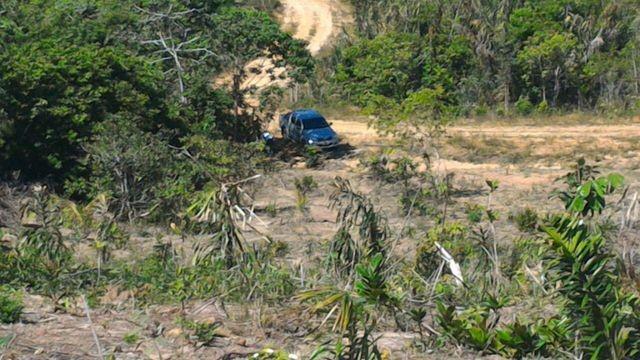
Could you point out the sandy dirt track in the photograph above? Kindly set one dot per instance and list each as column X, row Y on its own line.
column 312, row 20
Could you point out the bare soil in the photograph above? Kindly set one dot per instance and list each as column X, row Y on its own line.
column 525, row 159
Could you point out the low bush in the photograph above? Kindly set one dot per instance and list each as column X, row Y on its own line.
column 527, row 219
column 524, row 106
column 475, row 212
column 304, row 186
column 10, row 305
column 144, row 175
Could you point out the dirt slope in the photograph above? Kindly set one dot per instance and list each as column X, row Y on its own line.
column 313, row 21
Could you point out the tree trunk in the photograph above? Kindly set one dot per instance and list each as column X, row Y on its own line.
column 507, row 90
column 635, row 72
column 556, row 86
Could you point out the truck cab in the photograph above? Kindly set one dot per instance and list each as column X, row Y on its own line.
column 308, row 127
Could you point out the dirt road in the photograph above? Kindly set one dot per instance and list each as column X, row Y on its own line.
column 313, row 21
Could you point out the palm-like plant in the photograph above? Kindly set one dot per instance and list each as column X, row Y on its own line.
column 355, row 309
column 43, row 235
column 355, row 211
column 218, row 212
column 604, row 314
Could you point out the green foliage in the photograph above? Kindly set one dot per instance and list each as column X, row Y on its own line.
column 304, row 186
column 589, row 197
column 44, row 236
column 145, row 176
column 10, row 305
column 475, row 212
column 602, row 312
column 391, row 170
column 477, row 327
column 527, row 219
column 127, row 164
column 542, row 56
column 131, row 338
column 214, row 212
column 67, row 68
column 355, row 212
column 51, row 110
column 313, row 157
column 161, row 278
column 524, row 106
column 203, row 333
column 355, row 311
column 386, row 66
column 452, row 236
column 417, row 201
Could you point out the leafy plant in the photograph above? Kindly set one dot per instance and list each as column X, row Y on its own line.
column 204, row 333
column 355, row 311
column 10, row 305
column 524, row 106
column 355, row 211
column 475, row 212
column 44, row 234
column 313, row 157
column 526, row 220
column 217, row 212
column 603, row 313
column 452, row 236
column 131, row 338
column 303, row 187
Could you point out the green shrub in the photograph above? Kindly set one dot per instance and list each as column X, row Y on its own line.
column 527, row 219
column 313, row 157
column 10, row 305
column 131, row 338
column 452, row 236
column 383, row 66
column 142, row 173
column 475, row 327
column 524, row 106
column 204, row 333
column 56, row 95
column 475, row 212
column 304, row 186
column 543, row 107
column 481, row 110
column 418, row 201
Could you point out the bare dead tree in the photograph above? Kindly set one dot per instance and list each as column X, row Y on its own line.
column 174, row 42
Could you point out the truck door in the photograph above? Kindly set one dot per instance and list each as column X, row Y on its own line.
column 295, row 131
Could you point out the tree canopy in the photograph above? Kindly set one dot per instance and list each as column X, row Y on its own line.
column 556, row 55
column 66, row 67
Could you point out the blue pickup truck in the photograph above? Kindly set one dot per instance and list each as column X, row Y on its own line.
column 308, row 127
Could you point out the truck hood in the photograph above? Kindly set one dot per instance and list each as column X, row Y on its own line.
column 321, row 134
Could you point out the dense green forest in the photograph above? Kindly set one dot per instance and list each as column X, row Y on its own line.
column 74, row 69
column 508, row 56
column 80, row 81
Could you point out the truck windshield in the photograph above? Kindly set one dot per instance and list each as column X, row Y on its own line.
column 315, row 123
